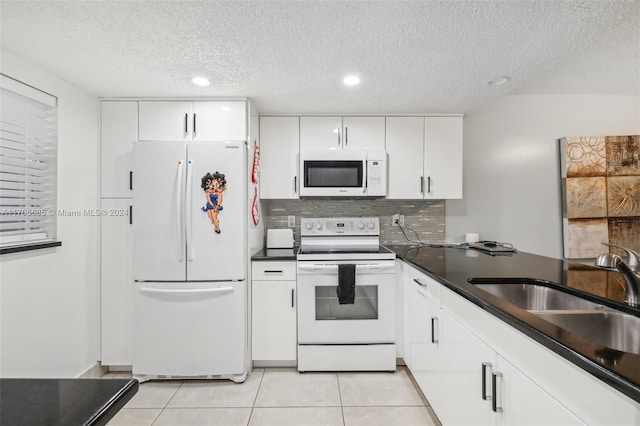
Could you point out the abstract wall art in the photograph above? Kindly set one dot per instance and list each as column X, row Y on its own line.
column 600, row 193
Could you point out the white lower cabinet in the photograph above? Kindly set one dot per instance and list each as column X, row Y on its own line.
column 519, row 401
column 273, row 313
column 456, row 369
column 116, row 283
column 445, row 360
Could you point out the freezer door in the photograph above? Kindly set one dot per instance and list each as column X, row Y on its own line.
column 216, row 211
column 159, row 173
column 189, row 329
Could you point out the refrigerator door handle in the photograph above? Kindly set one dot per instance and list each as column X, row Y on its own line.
column 188, row 211
column 179, row 213
column 186, row 292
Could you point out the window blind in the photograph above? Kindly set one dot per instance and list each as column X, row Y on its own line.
column 28, row 166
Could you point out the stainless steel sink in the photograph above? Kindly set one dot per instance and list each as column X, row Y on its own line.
column 592, row 321
column 533, row 297
column 612, row 329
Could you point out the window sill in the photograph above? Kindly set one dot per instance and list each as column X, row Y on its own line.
column 29, row 247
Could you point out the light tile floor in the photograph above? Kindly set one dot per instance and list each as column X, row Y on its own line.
column 280, row 397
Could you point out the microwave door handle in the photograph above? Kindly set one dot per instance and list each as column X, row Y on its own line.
column 365, row 177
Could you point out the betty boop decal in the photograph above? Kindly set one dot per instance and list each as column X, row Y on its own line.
column 213, row 186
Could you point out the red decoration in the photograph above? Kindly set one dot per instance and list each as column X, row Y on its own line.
column 255, row 171
column 255, row 213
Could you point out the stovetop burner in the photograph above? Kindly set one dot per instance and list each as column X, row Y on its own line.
column 379, row 250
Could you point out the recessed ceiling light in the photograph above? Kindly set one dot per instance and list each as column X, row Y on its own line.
column 497, row 81
column 200, row 81
column 351, row 80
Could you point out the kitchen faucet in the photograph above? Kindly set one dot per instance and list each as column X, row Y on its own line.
column 628, row 270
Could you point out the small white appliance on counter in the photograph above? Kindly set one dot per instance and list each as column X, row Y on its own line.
column 280, row 238
column 335, row 173
column 190, row 260
column 346, row 296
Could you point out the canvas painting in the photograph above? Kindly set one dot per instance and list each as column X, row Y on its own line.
column 601, row 194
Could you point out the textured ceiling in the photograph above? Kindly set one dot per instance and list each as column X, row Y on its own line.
column 290, row 56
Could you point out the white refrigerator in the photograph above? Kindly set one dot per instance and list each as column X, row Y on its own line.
column 190, row 221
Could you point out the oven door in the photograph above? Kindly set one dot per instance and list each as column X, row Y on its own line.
column 323, row 320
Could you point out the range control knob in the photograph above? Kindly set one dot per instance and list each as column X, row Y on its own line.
column 308, row 225
column 361, row 225
column 370, row 224
column 319, row 225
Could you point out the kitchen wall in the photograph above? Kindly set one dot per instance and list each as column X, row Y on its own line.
column 49, row 299
column 511, row 185
column 426, row 218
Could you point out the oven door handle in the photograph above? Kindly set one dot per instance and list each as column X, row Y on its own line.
column 376, row 267
column 360, row 268
column 318, row 268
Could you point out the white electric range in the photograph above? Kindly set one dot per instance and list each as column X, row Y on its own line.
column 337, row 332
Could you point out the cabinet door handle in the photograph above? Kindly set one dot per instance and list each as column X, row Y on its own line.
column 195, row 117
column 186, row 124
column 130, row 180
column 422, row 184
column 295, row 184
column 434, row 320
column 494, row 391
column 292, row 298
column 485, row 365
column 130, row 215
column 420, row 283
column 339, row 130
column 429, row 185
column 346, row 136
column 273, row 271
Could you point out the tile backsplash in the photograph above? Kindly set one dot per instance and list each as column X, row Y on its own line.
column 424, row 218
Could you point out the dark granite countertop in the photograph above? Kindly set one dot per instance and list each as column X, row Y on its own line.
column 67, row 402
column 266, row 254
column 453, row 267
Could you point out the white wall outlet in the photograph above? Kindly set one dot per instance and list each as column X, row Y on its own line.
column 291, row 221
column 395, row 219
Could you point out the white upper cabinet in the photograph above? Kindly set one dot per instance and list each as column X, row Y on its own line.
column 185, row 120
column 162, row 121
column 405, row 153
column 279, row 145
column 442, row 158
column 366, row 133
column 363, row 133
column 119, row 128
column 320, row 133
column 220, row 121
column 425, row 157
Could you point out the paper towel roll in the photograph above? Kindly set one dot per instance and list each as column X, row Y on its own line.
column 471, row 237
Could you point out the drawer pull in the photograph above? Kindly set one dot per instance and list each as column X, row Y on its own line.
column 419, row 282
column 273, row 271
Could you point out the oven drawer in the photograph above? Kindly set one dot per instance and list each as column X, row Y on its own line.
column 273, row 271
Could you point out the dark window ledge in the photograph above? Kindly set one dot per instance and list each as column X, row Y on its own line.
column 29, row 247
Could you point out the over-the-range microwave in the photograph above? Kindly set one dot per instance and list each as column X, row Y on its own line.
column 335, row 173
